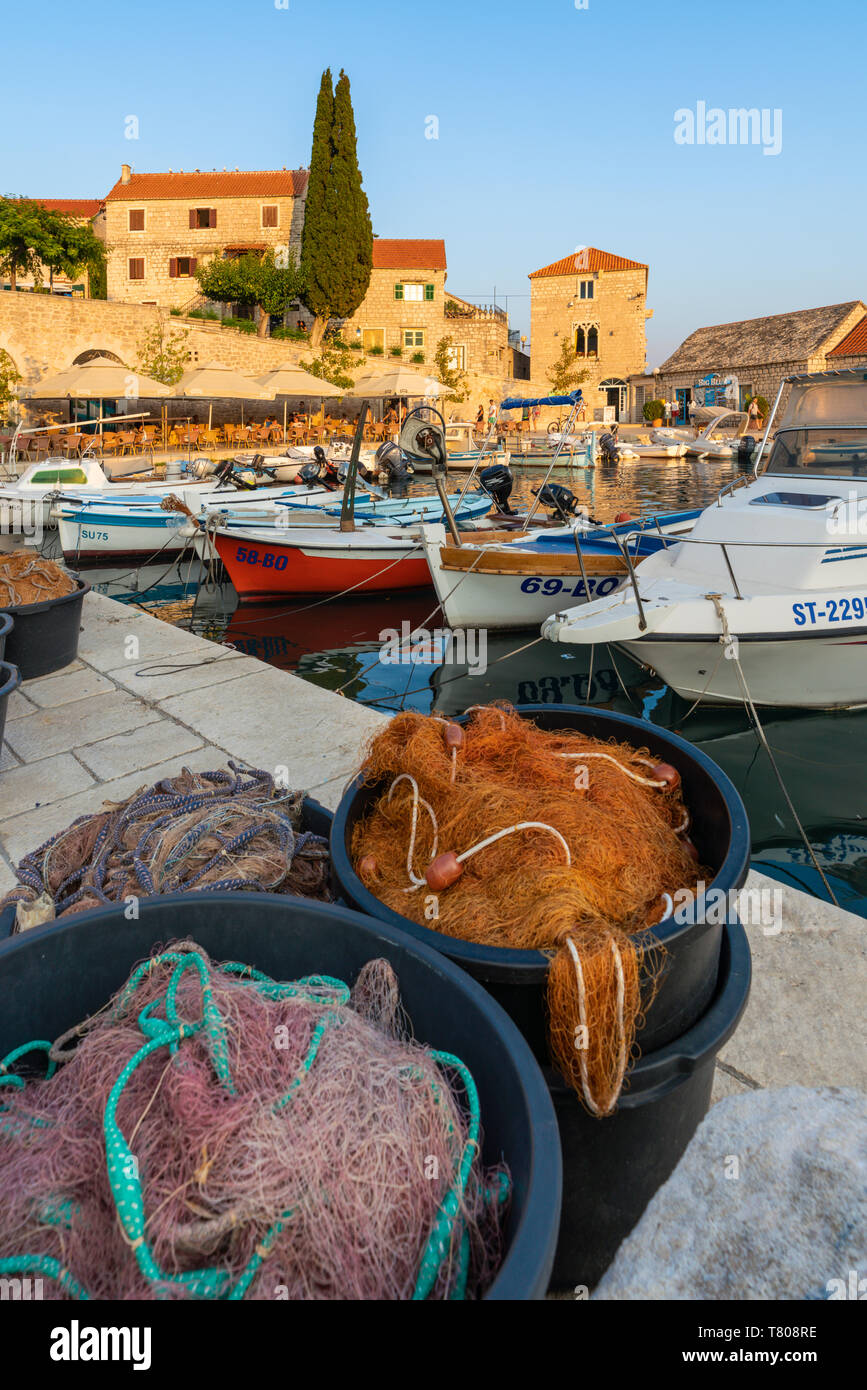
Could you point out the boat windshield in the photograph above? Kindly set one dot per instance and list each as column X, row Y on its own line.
column 838, row 452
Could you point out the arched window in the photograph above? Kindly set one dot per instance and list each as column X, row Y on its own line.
column 95, row 352
column 580, row 342
column 593, row 342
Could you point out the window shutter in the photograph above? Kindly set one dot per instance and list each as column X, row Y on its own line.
column 192, row 217
column 428, row 291
column 193, row 263
column 173, row 266
column 398, row 291
column 212, row 217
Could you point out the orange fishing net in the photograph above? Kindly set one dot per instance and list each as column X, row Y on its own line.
column 505, row 834
column 28, row 578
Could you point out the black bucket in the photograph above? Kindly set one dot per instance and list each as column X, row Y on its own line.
column 613, row 1167
column 7, row 622
column 517, row 979
column 54, row 976
column 10, row 679
column 45, row 636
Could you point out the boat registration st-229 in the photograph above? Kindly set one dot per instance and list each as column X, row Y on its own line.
column 833, row 610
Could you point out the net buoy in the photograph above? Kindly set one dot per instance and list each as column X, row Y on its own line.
column 443, row 871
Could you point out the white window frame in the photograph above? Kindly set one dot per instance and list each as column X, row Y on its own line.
column 413, row 347
column 583, row 288
column 413, row 285
column 457, row 357
column 262, row 207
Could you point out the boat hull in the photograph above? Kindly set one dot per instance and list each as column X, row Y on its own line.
column 267, row 571
column 817, row 672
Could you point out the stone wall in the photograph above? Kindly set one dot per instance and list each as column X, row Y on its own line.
column 618, row 307
column 167, row 234
column 45, row 334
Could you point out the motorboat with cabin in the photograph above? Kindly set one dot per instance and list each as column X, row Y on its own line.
column 766, row 599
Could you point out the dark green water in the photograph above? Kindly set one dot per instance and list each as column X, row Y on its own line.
column 822, row 756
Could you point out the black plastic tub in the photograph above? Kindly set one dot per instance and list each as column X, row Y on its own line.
column 45, row 635
column 10, row 679
column 614, row 1166
column 314, row 816
column 54, row 976
column 517, row 978
column 6, row 625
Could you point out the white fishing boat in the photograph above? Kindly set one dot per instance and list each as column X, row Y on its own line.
column 498, row 579
column 766, row 599
column 103, row 529
column 27, row 503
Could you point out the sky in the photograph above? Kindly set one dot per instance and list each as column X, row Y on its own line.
column 554, row 125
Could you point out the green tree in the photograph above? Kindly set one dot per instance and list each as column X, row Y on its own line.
column 71, row 247
column 23, row 238
column 450, row 376
column 9, row 379
column 269, row 282
column 564, row 375
column 337, row 240
column 163, row 352
column 334, row 364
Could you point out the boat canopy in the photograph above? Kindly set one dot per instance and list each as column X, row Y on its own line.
column 518, row 402
column 825, row 399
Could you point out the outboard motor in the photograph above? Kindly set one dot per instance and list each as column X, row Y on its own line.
column 497, row 482
column 609, row 447
column 389, row 459
column 558, row 499
column 746, row 449
column 310, row 473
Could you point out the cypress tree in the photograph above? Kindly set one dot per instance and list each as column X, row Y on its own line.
column 337, row 240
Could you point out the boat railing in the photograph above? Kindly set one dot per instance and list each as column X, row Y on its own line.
column 724, row 546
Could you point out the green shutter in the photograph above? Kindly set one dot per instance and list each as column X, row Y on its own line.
column 428, row 291
column 398, row 291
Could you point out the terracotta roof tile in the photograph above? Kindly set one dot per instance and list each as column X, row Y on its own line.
column 396, row 254
column 250, row 183
column 73, row 207
column 855, row 342
column 588, row 258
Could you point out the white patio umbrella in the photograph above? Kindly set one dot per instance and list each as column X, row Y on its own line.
column 400, row 382
column 290, row 380
column 101, row 379
column 214, row 381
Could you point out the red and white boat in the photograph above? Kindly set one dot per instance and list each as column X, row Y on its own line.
column 266, row 566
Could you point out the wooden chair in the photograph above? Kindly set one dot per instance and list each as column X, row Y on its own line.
column 111, row 443
column 208, row 440
column 126, row 439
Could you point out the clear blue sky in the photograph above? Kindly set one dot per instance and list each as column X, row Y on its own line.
column 556, row 129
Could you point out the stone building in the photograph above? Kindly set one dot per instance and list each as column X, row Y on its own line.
column 407, row 311
column 754, row 355
column 596, row 302
column 80, row 210
column 159, row 227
